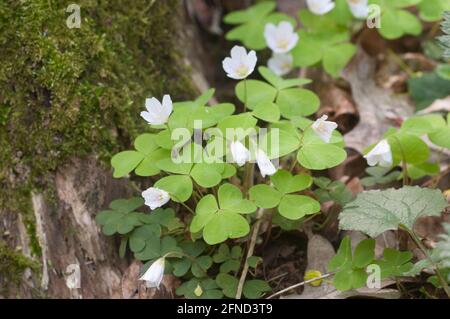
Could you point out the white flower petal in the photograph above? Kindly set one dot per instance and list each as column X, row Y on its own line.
column 157, row 113
column 280, row 63
column 251, row 59
column 285, row 27
column 281, row 38
column 241, row 64
column 155, row 197
column 153, row 104
column 167, row 105
column 238, row 53
column 324, row 129
column 381, row 154
column 266, row 167
column 359, row 8
column 239, row 153
column 154, row 274
column 270, row 31
column 320, row 7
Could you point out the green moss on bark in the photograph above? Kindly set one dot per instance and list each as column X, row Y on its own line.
column 12, row 266
column 70, row 92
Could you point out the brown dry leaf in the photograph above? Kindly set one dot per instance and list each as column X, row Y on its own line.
column 338, row 105
column 376, row 106
column 319, row 253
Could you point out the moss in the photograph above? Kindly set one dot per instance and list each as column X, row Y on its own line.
column 70, row 92
column 12, row 266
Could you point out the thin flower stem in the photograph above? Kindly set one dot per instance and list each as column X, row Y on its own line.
column 250, row 251
column 188, row 208
column 404, row 165
column 249, row 176
column 245, row 95
column 294, row 163
column 401, row 63
column 425, row 251
column 300, row 284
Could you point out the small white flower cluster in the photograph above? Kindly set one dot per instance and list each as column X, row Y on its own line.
column 359, row 8
column 280, row 39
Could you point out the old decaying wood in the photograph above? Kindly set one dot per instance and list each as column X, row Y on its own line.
column 377, row 106
column 68, row 233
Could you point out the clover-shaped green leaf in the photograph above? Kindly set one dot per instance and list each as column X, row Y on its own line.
column 192, row 250
column 441, row 135
column 282, row 95
column 350, row 267
column 408, row 148
column 316, row 154
column 142, row 160
column 324, row 39
column 332, row 190
column 252, row 22
column 180, row 187
column 432, row 10
column 379, row 175
column 395, row 21
column 230, row 260
column 154, row 247
column 252, row 289
column 164, row 217
column 395, row 263
column 186, row 113
column 121, row 218
column 290, row 206
column 223, row 220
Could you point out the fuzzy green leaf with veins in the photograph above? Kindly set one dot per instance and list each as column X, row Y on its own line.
column 374, row 212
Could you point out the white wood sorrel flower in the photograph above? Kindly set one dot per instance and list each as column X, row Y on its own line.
column 266, row 167
column 281, row 38
column 154, row 274
column 359, row 8
column 281, row 63
column 324, row 129
column 239, row 153
column 380, row 154
column 155, row 197
column 241, row 64
column 320, row 7
column 157, row 113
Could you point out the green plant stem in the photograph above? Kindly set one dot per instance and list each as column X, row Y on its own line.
column 249, row 176
column 187, row 207
column 401, row 63
column 300, row 284
column 404, row 165
column 436, row 267
column 245, row 95
column 294, row 162
column 250, row 251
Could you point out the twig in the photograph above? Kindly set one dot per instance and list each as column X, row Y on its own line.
column 251, row 248
column 300, row 284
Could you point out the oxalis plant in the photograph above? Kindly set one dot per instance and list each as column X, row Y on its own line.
column 216, row 172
